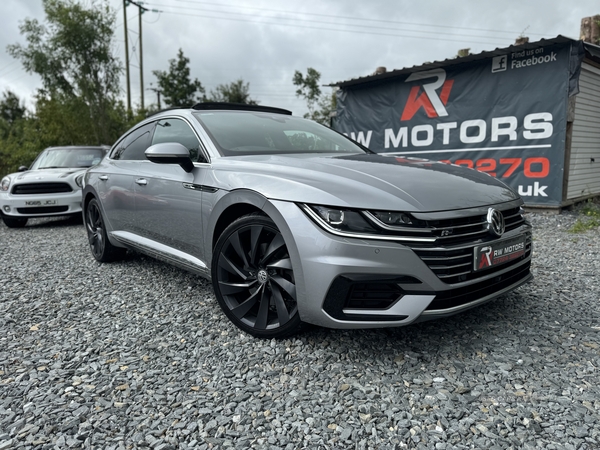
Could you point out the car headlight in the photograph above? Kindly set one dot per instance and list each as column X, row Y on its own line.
column 393, row 218
column 363, row 224
column 5, row 184
column 345, row 220
column 79, row 180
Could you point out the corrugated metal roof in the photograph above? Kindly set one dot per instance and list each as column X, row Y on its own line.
column 461, row 60
column 592, row 51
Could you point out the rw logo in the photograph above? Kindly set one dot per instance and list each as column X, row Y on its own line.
column 429, row 100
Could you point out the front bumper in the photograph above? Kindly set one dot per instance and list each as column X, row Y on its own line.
column 44, row 205
column 356, row 283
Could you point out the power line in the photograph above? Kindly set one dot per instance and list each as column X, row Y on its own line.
column 10, row 71
column 496, row 42
column 7, row 66
column 361, row 19
column 493, row 38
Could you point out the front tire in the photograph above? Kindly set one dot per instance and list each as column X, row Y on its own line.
column 14, row 222
column 253, row 278
column 100, row 246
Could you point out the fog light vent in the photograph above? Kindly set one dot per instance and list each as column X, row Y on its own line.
column 373, row 295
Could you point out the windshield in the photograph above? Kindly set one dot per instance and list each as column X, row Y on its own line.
column 76, row 158
column 259, row 133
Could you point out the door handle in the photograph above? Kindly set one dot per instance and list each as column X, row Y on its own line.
column 103, row 177
column 141, row 181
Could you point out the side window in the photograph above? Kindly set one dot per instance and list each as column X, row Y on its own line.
column 133, row 146
column 177, row 130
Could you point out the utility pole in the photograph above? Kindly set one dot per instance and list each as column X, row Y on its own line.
column 141, row 10
column 125, row 3
column 158, row 92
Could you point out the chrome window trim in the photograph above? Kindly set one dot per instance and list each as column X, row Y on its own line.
column 155, row 120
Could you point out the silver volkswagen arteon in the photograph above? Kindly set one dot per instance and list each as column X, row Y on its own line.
column 296, row 223
column 50, row 187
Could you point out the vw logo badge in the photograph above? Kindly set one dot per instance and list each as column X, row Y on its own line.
column 495, row 222
column 262, row 276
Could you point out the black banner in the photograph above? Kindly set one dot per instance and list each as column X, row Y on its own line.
column 505, row 115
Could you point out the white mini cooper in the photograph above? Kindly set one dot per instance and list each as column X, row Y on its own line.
column 50, row 187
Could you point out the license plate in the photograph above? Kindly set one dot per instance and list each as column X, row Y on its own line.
column 498, row 253
column 40, row 202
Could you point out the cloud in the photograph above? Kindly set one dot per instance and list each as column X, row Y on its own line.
column 265, row 41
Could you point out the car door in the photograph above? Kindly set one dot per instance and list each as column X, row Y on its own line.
column 115, row 185
column 168, row 199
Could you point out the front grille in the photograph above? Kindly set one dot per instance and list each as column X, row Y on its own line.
column 451, row 256
column 466, row 294
column 41, row 188
column 469, row 229
column 43, row 210
column 455, row 265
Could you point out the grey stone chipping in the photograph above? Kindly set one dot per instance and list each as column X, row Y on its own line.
column 137, row 354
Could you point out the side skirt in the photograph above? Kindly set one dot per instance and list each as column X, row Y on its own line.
column 161, row 252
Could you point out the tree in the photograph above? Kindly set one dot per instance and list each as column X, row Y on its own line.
column 20, row 146
column 176, row 86
column 18, row 134
column 11, row 109
column 11, row 114
column 234, row 92
column 320, row 106
column 72, row 53
column 308, row 86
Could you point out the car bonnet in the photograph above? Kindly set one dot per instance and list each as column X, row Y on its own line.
column 362, row 181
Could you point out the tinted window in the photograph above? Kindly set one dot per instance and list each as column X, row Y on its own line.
column 134, row 145
column 177, row 130
column 242, row 133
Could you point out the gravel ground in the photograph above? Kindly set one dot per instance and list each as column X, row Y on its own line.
column 137, row 354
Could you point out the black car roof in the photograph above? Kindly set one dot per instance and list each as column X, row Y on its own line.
column 223, row 106
column 211, row 106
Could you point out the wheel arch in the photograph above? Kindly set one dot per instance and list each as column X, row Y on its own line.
column 86, row 199
column 87, row 196
column 229, row 215
column 236, row 204
column 242, row 202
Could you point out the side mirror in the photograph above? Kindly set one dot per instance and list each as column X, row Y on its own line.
column 23, row 169
column 170, row 153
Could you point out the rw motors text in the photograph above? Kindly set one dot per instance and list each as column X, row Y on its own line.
column 534, row 126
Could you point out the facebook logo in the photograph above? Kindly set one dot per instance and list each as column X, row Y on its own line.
column 499, row 63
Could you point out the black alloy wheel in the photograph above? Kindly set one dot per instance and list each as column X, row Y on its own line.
column 100, row 246
column 253, row 278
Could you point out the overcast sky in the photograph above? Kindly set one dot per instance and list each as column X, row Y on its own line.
column 265, row 41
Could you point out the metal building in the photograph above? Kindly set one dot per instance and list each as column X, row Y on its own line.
column 582, row 150
column 528, row 114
